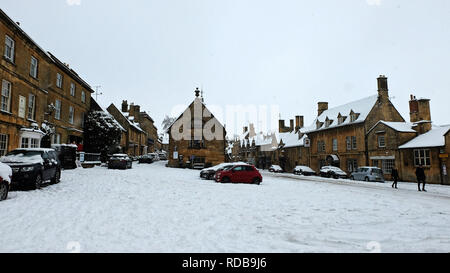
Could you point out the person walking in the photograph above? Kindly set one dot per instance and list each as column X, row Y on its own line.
column 420, row 174
column 394, row 175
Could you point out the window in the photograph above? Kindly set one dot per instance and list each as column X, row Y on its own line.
column 59, row 80
column 197, row 144
column 353, row 117
column 422, row 157
column 348, row 141
column 328, row 122
column 354, row 146
column 320, row 146
column 31, row 106
column 72, row 89
column 9, row 48
column 34, row 67
column 375, row 163
column 56, row 139
column 22, row 106
column 381, row 141
column 57, row 109
column 352, row 165
column 3, row 144
column 24, row 142
column 83, row 96
column 335, row 144
column 71, row 112
column 34, row 143
column 6, row 96
column 82, row 120
column 341, row 120
column 388, row 165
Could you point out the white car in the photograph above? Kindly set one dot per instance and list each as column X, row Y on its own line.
column 5, row 180
column 276, row 169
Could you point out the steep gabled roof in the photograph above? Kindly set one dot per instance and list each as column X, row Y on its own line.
column 403, row 127
column 291, row 139
column 360, row 107
column 433, row 138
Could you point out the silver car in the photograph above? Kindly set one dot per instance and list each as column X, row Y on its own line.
column 368, row 174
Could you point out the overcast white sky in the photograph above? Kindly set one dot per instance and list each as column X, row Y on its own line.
column 291, row 53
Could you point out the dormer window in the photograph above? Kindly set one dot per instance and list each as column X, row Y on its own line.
column 318, row 124
column 353, row 116
column 341, row 119
column 328, row 122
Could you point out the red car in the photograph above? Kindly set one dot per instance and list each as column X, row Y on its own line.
column 239, row 174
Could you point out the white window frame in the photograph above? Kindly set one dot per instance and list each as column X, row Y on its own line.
column 56, row 139
column 83, row 96
column 6, row 96
column 381, row 141
column 34, row 63
column 57, row 109
column 3, row 144
column 71, row 114
column 422, row 156
column 59, row 80
column 25, row 142
column 335, row 144
column 22, row 107
column 354, row 143
column 10, row 47
column 31, row 107
column 34, row 143
column 72, row 89
column 387, row 165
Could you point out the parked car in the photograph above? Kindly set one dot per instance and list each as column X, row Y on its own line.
column 120, row 161
column 304, row 170
column 5, row 180
column 145, row 159
column 239, row 174
column 162, row 155
column 276, row 169
column 155, row 156
column 331, row 171
column 33, row 167
column 210, row 172
column 368, row 174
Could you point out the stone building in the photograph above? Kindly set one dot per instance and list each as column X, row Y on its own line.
column 292, row 150
column 43, row 101
column 196, row 138
column 338, row 135
column 258, row 149
column 135, row 138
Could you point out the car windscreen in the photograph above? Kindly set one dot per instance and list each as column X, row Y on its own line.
column 23, row 156
column 118, row 158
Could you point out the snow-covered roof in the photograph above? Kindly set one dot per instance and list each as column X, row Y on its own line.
column 131, row 122
column 268, row 141
column 404, row 127
column 360, row 107
column 291, row 139
column 433, row 138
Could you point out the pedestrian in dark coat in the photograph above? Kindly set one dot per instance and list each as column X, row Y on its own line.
column 394, row 175
column 420, row 174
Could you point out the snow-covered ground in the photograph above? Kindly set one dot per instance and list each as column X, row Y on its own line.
column 151, row 208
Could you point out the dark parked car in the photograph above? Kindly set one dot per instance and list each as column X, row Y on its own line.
column 239, row 174
column 304, row 170
column 331, row 171
column 162, row 155
column 5, row 180
column 120, row 161
column 146, row 159
column 33, row 167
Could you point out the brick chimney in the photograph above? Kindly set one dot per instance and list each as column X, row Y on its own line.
column 321, row 107
column 124, row 106
column 383, row 91
column 420, row 114
column 299, row 122
column 291, row 127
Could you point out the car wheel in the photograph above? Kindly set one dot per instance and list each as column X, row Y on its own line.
column 57, row 177
column 352, row 178
column 256, row 181
column 37, row 182
column 225, row 180
column 4, row 187
column 366, row 179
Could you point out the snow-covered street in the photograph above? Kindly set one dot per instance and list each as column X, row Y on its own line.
column 151, row 208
